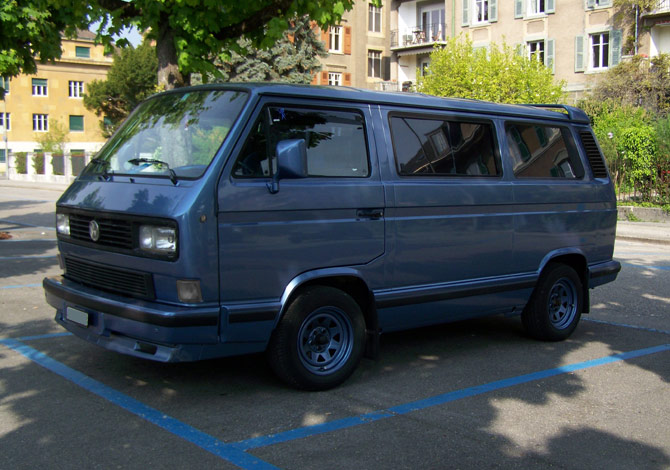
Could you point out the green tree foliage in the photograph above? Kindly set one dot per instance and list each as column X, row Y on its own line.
column 500, row 75
column 189, row 34
column 54, row 140
column 638, row 82
column 627, row 138
column 131, row 78
column 293, row 59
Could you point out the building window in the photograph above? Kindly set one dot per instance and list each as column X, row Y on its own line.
column 600, row 50
column 76, row 89
column 598, row 3
column 4, row 83
column 374, row 64
column 82, row 52
column 335, row 39
column 536, row 7
column 334, row 78
column 5, row 120
column 41, row 122
column 481, row 11
column 374, row 19
column 76, row 123
column 39, row 87
column 536, row 50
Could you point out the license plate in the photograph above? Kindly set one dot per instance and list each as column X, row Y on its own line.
column 76, row 316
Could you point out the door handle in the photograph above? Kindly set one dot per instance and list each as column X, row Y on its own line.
column 374, row 214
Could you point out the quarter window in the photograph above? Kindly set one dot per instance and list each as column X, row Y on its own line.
column 444, row 147
column 335, row 141
column 539, row 151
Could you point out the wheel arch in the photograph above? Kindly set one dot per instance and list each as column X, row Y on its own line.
column 576, row 259
column 348, row 280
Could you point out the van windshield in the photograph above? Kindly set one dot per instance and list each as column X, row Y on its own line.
column 174, row 135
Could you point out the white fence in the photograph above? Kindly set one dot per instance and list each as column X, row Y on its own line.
column 45, row 167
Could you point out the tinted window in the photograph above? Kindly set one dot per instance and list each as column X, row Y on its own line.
column 336, row 144
column 443, row 147
column 543, row 152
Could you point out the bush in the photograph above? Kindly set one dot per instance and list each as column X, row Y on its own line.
column 21, row 167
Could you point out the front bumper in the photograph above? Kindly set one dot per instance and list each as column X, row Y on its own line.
column 151, row 330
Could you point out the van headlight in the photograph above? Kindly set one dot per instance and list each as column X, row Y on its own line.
column 63, row 224
column 157, row 239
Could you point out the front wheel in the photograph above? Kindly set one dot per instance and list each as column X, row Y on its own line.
column 319, row 341
column 556, row 305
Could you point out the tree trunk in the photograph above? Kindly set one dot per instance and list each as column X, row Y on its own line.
column 169, row 76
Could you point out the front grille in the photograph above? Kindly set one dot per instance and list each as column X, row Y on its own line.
column 106, row 278
column 114, row 233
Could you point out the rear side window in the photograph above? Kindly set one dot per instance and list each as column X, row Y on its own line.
column 444, row 147
column 335, row 140
column 539, row 151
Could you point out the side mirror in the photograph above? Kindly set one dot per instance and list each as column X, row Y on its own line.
column 291, row 162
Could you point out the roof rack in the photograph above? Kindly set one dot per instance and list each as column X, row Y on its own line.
column 575, row 114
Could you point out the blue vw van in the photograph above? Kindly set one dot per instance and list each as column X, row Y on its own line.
column 303, row 221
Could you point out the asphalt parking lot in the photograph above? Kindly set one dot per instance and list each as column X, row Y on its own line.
column 476, row 394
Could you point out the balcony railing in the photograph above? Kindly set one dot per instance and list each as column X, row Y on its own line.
column 661, row 7
column 418, row 35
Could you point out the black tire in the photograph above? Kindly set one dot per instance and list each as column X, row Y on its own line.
column 319, row 341
column 556, row 305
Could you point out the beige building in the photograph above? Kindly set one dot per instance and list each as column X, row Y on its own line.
column 33, row 103
column 359, row 52
column 578, row 39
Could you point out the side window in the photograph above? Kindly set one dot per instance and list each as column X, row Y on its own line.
column 539, row 151
column 443, row 147
column 336, row 143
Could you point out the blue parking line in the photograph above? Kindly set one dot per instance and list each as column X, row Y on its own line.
column 236, row 454
column 5, row 258
column 642, row 266
column 174, row 426
column 437, row 400
column 625, row 325
column 21, row 286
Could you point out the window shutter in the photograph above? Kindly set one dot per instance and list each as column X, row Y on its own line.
column 346, row 79
column 549, row 55
column 551, row 6
column 324, row 78
column 615, row 49
column 325, row 38
column 590, row 3
column 493, row 11
column 518, row 9
column 347, row 40
column 315, row 79
column 466, row 13
column 579, row 54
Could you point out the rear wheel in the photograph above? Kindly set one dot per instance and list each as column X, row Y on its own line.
column 556, row 305
column 319, row 341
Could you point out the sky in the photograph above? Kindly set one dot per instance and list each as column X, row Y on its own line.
column 132, row 34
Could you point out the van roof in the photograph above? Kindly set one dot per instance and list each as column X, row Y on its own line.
column 395, row 98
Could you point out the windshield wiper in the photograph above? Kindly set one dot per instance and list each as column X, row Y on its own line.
column 105, row 164
column 139, row 161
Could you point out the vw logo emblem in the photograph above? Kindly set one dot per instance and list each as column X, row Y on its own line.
column 94, row 230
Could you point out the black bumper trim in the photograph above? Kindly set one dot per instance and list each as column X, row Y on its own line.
column 56, row 287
